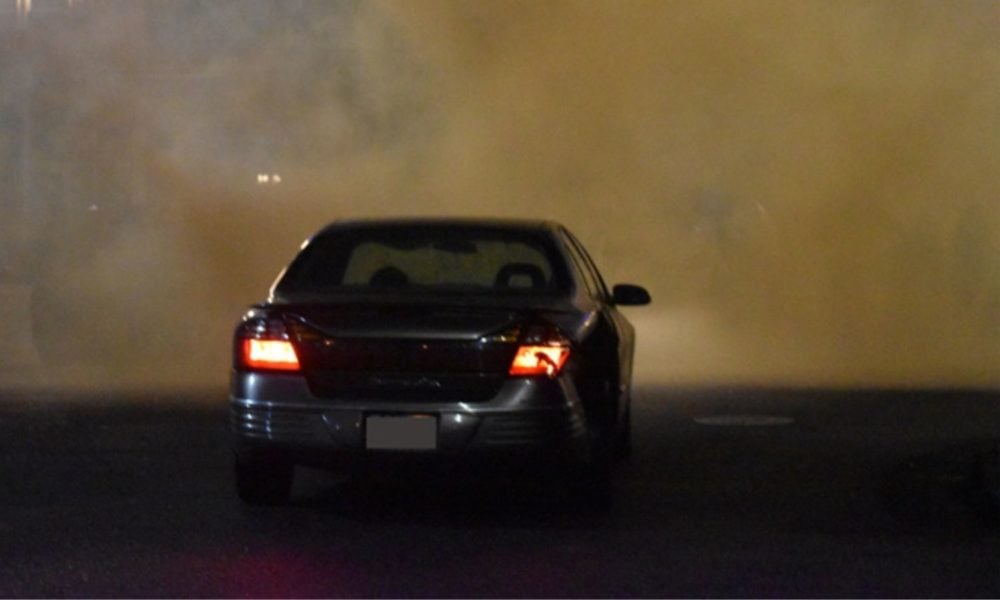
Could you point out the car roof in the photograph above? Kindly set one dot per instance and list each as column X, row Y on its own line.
column 490, row 223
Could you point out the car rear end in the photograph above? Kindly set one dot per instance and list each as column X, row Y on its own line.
column 470, row 356
column 327, row 395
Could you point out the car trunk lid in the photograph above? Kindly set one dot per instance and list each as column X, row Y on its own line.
column 404, row 352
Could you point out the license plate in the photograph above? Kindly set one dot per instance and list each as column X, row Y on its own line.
column 410, row 432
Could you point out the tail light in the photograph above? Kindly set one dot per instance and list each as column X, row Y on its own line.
column 270, row 354
column 539, row 360
column 542, row 352
column 262, row 343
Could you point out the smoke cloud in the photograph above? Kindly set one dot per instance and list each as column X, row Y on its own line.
column 808, row 189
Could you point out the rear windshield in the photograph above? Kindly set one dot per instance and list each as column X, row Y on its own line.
column 427, row 260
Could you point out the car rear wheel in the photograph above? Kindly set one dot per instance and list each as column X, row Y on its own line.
column 623, row 445
column 263, row 478
column 594, row 487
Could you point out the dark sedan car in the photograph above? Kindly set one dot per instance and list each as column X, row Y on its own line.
column 477, row 342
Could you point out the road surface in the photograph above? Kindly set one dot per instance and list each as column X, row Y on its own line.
column 746, row 493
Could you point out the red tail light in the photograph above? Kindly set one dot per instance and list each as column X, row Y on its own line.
column 539, row 360
column 262, row 343
column 270, row 354
column 543, row 351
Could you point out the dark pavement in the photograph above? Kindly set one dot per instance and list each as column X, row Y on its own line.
column 745, row 493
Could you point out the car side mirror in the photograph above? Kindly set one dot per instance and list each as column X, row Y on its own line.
column 626, row 294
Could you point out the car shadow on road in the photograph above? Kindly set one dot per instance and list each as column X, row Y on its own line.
column 463, row 501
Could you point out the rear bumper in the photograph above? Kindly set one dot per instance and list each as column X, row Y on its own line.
column 528, row 420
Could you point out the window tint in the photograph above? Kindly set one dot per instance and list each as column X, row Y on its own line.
column 430, row 259
column 591, row 277
column 474, row 263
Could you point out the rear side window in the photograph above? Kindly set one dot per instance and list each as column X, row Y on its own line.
column 588, row 270
column 427, row 259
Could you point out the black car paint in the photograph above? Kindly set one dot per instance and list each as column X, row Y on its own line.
column 602, row 340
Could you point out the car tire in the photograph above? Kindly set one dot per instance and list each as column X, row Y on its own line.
column 263, row 478
column 623, row 445
column 595, row 487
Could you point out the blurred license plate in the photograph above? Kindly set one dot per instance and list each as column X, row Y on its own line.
column 411, row 432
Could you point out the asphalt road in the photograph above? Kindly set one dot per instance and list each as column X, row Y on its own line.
column 745, row 493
